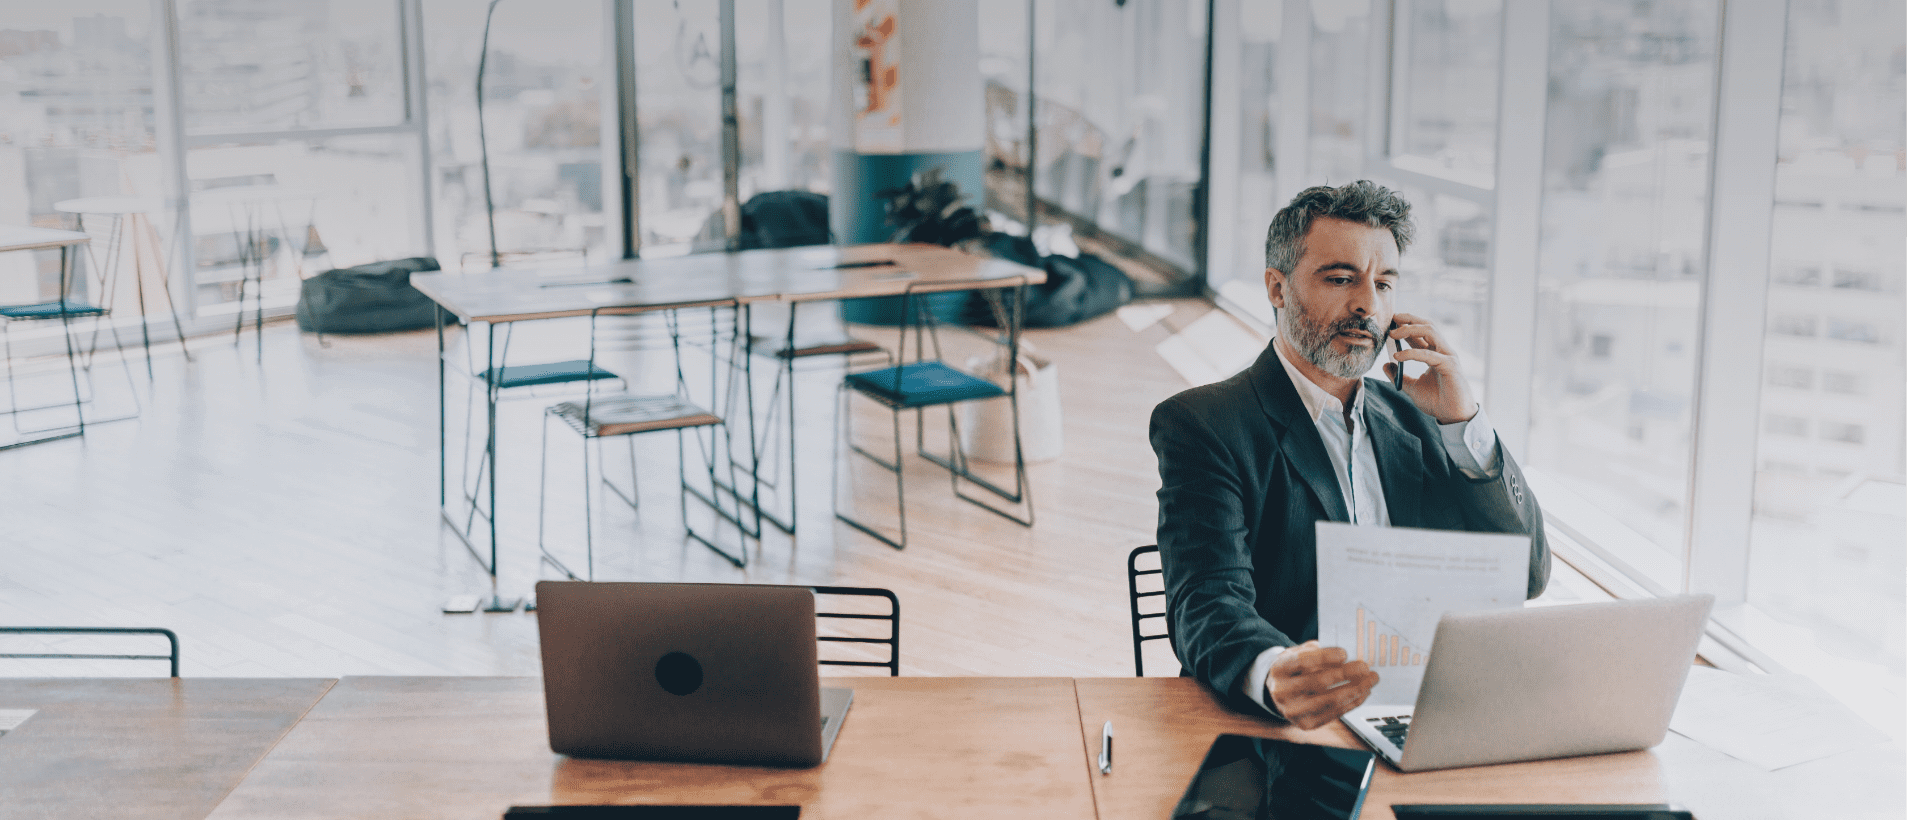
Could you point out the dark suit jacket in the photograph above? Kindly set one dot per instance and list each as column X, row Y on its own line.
column 1244, row 479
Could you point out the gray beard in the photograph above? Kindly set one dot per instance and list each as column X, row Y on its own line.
column 1312, row 340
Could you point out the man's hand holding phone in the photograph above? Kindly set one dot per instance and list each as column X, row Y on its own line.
column 1441, row 392
column 1312, row 685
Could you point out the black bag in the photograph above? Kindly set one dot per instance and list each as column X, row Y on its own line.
column 1076, row 288
column 373, row 298
column 785, row 219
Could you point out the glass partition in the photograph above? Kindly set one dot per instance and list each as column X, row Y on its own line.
column 276, row 65
column 1340, row 91
column 1121, row 117
column 542, row 115
column 784, row 65
column 76, row 120
column 1826, row 552
column 1445, row 88
column 1632, row 95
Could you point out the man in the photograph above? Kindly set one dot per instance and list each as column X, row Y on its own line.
column 1250, row 464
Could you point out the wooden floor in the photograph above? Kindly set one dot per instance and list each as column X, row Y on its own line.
column 283, row 518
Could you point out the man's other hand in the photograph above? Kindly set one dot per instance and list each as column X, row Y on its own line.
column 1313, row 685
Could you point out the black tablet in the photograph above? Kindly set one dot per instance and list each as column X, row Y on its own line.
column 1537, row 811
column 1255, row 778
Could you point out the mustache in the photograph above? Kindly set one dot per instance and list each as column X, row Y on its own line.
column 1367, row 324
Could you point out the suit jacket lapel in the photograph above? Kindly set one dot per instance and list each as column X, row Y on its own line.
column 1399, row 463
column 1279, row 398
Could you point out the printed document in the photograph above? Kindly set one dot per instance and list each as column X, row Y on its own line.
column 1771, row 721
column 10, row 719
column 1381, row 591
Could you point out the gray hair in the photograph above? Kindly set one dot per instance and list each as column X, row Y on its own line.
column 1364, row 202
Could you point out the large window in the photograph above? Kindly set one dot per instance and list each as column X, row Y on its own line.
column 76, row 120
column 543, row 87
column 1632, row 94
column 1121, row 117
column 1826, row 555
column 1600, row 264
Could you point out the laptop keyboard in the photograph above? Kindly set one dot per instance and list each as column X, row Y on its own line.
column 1392, row 728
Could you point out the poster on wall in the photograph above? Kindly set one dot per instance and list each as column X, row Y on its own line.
column 877, row 85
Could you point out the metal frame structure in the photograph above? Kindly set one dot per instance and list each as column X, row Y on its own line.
column 171, row 637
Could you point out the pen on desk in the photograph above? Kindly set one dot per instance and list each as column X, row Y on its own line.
column 1105, row 749
column 620, row 280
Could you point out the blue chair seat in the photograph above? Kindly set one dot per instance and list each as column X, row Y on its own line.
column 51, row 310
column 922, row 384
column 527, row 375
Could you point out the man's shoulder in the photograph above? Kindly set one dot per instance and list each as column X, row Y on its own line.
column 1226, row 398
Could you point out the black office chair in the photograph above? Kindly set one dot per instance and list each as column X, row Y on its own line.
column 1153, row 577
column 171, row 638
column 892, row 617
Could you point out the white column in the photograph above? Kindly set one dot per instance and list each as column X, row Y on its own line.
column 1735, row 296
column 417, row 115
column 1221, row 200
column 169, row 138
column 774, row 114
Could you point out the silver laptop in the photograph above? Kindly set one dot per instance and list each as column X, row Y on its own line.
column 1529, row 684
column 721, row 673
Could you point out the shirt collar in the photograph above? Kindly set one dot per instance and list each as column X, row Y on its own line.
column 1317, row 401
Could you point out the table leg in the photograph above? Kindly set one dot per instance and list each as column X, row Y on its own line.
column 443, row 415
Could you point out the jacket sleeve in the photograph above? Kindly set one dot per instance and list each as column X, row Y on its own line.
column 1203, row 548
column 1506, row 504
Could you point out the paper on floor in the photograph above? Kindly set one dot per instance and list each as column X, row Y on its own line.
column 10, row 719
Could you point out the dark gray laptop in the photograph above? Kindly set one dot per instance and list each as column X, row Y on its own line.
column 721, row 673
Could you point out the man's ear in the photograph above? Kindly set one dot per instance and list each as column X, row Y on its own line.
column 1275, row 287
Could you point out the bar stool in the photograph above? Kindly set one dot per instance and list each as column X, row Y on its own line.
column 127, row 215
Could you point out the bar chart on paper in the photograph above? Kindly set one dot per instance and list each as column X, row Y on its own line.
column 1378, row 644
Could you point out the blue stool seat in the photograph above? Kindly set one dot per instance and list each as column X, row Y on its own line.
column 51, row 310
column 922, row 384
column 527, row 375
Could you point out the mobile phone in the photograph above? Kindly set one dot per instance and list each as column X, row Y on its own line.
column 1265, row 779
column 1397, row 376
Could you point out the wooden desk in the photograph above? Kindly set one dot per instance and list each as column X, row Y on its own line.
column 472, row 747
column 140, row 747
column 1164, row 725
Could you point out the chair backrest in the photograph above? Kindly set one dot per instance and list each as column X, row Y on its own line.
column 1153, row 580
column 892, row 616
column 171, row 638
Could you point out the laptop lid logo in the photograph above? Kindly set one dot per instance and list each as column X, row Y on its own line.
column 679, row 673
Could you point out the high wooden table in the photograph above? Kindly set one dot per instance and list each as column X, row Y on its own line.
column 737, row 280
column 472, row 747
column 140, row 747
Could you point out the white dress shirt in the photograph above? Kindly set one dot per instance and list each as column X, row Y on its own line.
column 1347, row 440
